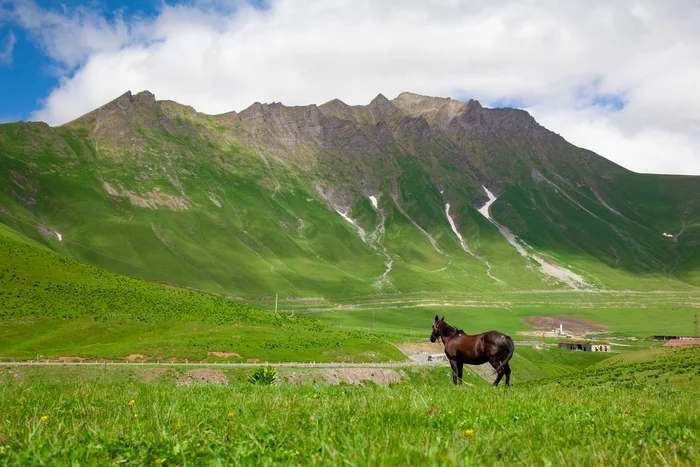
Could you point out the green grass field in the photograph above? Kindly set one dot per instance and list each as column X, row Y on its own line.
column 56, row 307
column 611, row 413
column 618, row 313
column 51, row 307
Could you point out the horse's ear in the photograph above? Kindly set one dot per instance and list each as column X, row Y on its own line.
column 443, row 318
column 436, row 318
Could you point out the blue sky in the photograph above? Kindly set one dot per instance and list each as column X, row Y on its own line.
column 618, row 78
column 31, row 74
column 27, row 76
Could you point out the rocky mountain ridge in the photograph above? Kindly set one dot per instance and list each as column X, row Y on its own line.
column 297, row 198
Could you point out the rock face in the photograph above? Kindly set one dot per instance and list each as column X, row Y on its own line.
column 123, row 105
column 338, row 199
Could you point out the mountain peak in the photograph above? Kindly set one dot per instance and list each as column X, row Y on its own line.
column 145, row 96
column 440, row 110
column 122, row 102
column 474, row 104
column 335, row 107
column 335, row 103
column 382, row 103
column 125, row 103
column 254, row 112
column 415, row 97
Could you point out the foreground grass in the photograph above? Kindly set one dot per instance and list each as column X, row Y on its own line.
column 422, row 421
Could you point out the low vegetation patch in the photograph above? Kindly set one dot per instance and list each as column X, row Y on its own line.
column 263, row 376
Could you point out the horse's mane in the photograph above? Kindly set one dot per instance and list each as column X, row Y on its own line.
column 453, row 329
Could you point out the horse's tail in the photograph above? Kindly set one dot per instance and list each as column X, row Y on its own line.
column 507, row 354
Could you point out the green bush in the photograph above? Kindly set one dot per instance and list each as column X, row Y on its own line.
column 264, row 376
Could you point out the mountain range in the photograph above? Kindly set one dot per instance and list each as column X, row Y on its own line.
column 411, row 194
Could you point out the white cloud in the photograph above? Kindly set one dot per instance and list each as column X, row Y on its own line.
column 557, row 58
column 7, row 47
column 71, row 36
column 654, row 150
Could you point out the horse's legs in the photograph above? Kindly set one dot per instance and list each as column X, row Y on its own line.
column 507, row 371
column 460, row 367
column 453, row 364
column 494, row 364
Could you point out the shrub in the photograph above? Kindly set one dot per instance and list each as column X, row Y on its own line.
column 264, row 375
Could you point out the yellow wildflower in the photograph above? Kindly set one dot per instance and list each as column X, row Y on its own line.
column 469, row 432
column 45, row 418
column 315, row 396
column 645, row 389
column 132, row 402
column 449, row 412
column 230, row 414
column 135, row 415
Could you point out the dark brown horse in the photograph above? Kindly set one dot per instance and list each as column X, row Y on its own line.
column 493, row 347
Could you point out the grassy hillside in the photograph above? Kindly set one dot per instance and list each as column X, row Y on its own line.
column 52, row 306
column 134, row 417
column 250, row 204
column 657, row 369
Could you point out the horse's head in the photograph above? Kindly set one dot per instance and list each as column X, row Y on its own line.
column 436, row 328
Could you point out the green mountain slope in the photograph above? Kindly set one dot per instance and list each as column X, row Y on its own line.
column 52, row 306
column 279, row 199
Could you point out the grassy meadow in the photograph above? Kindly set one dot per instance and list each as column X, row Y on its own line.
column 52, row 306
column 617, row 313
column 636, row 409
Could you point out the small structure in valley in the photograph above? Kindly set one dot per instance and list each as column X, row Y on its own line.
column 556, row 332
column 584, row 346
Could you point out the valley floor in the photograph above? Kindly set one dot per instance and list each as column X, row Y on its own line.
column 355, row 329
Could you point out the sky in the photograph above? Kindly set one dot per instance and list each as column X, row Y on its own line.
column 616, row 77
